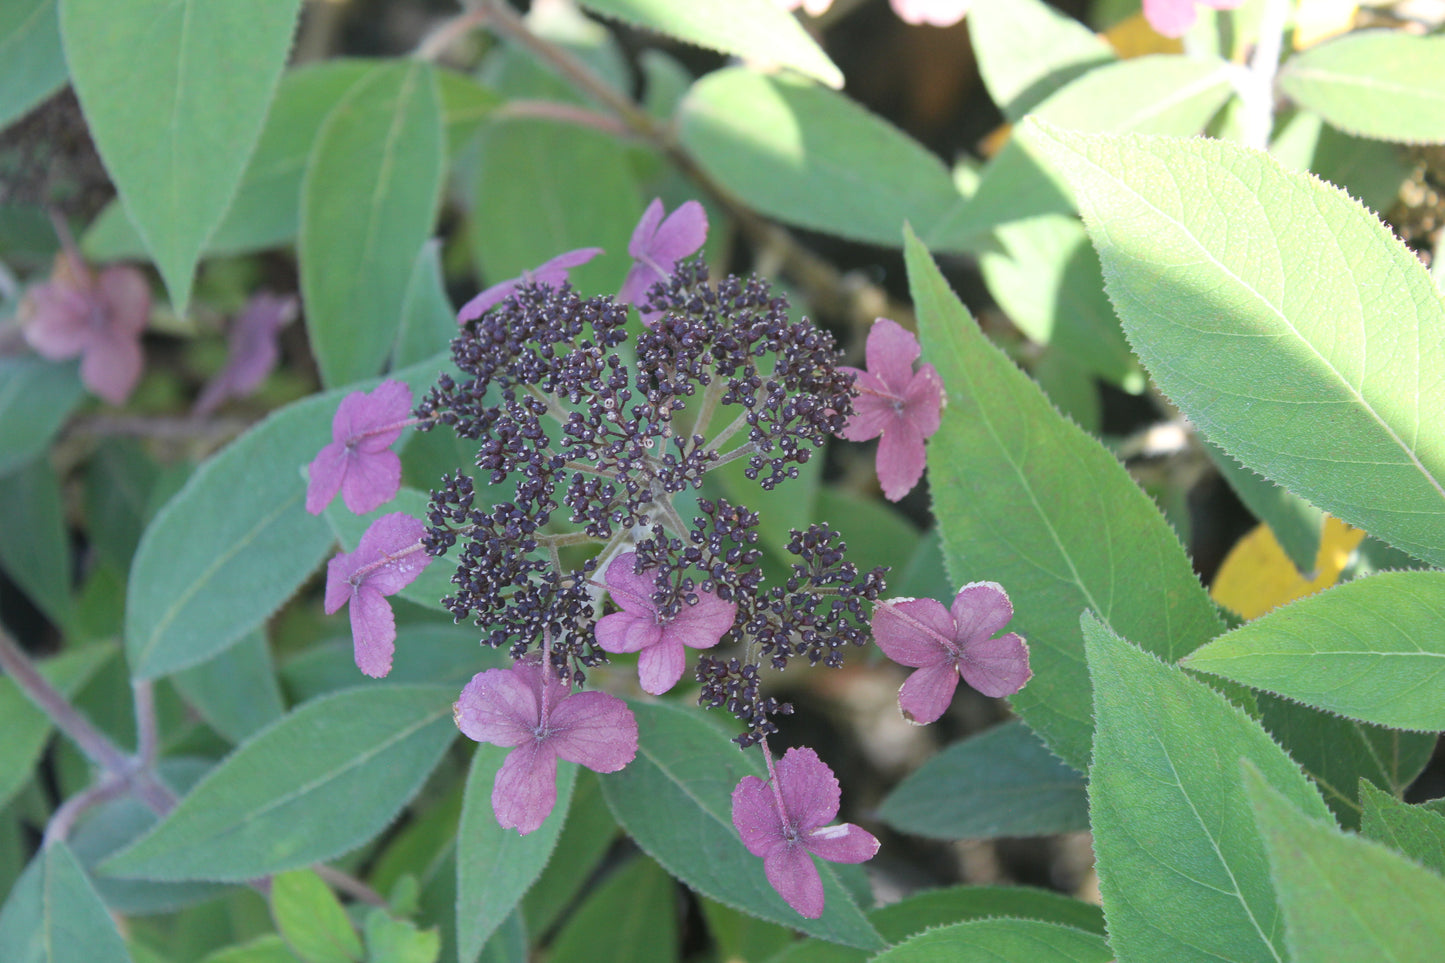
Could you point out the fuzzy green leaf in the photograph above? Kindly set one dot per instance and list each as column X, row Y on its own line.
column 1384, row 84
column 53, row 915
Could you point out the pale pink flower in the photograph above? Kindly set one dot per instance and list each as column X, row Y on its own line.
column 100, row 318
column 814, row 8
column 1173, row 18
column 552, row 273
column 359, row 462
column 542, row 719
column 252, row 349
column 943, row 644
column 786, row 823
column 388, row 558
column 939, row 13
column 641, row 628
column 656, row 247
column 896, row 402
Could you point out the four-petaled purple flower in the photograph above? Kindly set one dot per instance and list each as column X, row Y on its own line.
column 541, row 719
column 641, row 628
column 896, row 402
column 552, row 273
column 388, row 558
column 252, row 349
column 99, row 317
column 656, row 247
column 1173, row 18
column 359, row 461
column 785, row 822
column 943, row 644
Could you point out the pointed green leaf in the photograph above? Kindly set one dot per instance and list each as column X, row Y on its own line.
column 236, row 691
column 1026, row 50
column 1369, row 649
column 1000, row 941
column 630, row 918
column 1409, row 830
column 367, row 204
column 1344, row 898
column 1025, row 498
column 675, row 800
column 495, row 865
column 323, row 780
column 32, row 64
column 585, row 839
column 1001, row 782
column 428, row 320
column 25, row 726
column 53, row 915
column 390, row 940
column 755, row 30
column 1297, row 525
column 312, row 919
column 175, row 93
column 34, row 548
column 1384, row 84
column 1181, row 865
column 36, row 396
column 1282, row 317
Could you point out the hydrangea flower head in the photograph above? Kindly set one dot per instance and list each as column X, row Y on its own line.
column 656, row 247
column 895, row 402
column 388, row 558
column 641, row 627
column 359, row 461
column 98, row 317
column 553, row 273
column 943, row 644
column 1173, row 18
column 529, row 709
column 786, row 823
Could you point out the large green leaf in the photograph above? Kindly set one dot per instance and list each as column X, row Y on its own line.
column 1413, row 831
column 812, row 157
column 175, row 93
column 1296, row 524
column 36, row 396
column 1384, row 84
column 630, row 918
column 34, row 549
column 675, row 800
column 235, row 691
column 32, row 65
column 1025, row 498
column 584, row 841
column 1282, row 317
column 1026, row 50
column 319, row 782
column 53, row 915
column 1370, row 649
column 1001, row 782
column 1000, row 941
column 1344, row 898
column 495, row 865
column 367, row 205
column 755, row 30
column 1181, row 865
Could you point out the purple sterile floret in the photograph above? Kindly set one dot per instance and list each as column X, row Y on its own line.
column 553, row 273
column 540, row 718
column 896, row 402
column 786, row 823
column 943, row 644
column 388, row 558
column 1173, row 18
column 659, row 639
column 99, row 317
column 252, row 349
column 656, row 247
column 359, row 461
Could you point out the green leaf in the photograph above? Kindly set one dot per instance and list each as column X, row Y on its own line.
column 754, row 30
column 34, row 549
column 235, row 691
column 675, row 800
column 119, row 482
column 585, row 839
column 1370, row 170
column 175, row 94
column 812, row 157
column 1344, row 899
column 739, row 936
column 36, row 396
column 25, row 726
column 1001, row 782
column 367, row 204
column 1181, row 866
column 311, row 918
column 428, row 320
column 391, row 940
column 1027, row 499
column 1409, row 830
column 53, row 915
column 1377, row 83
column 266, row 948
column 1284, row 319
column 630, row 918
column 1369, row 649
column 1297, row 525
column 1000, row 941
column 440, row 654
column 32, row 64
column 1027, row 50
column 320, row 782
column 495, row 865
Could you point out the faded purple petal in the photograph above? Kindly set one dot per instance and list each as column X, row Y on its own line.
column 791, row 871
column 755, row 816
column 553, row 272
column 810, row 790
column 630, row 589
column 526, row 787
column 358, row 462
column 369, row 480
column 660, row 666
column 394, row 541
column 58, row 325
column 252, row 350
column 338, row 582
column 923, row 401
column 844, row 843
column 373, row 631
column 325, row 472
column 901, row 459
column 498, row 706
column 926, row 693
column 593, row 729
column 371, row 421
column 1171, row 18
column 623, row 632
column 979, row 610
column 111, row 366
column 701, row 626
column 657, row 245
column 100, row 318
column 127, row 297
column 913, row 632
column 891, row 351
column 873, row 411
column 996, row 667
column 937, row 13
column 637, row 245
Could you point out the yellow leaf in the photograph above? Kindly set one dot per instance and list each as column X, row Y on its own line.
column 1257, row 575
